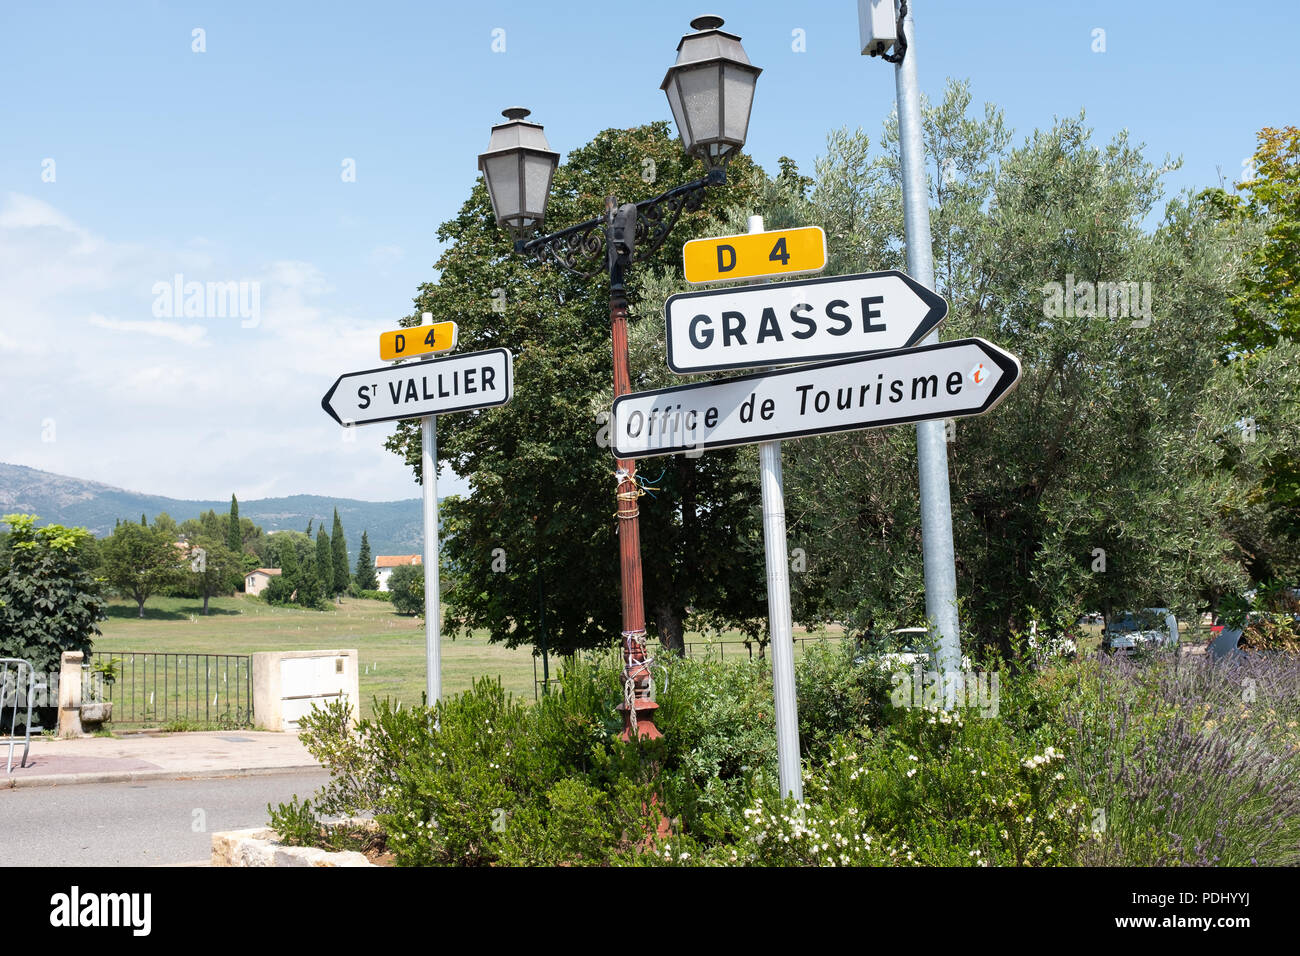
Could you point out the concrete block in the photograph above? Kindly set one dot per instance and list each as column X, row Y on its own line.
column 288, row 684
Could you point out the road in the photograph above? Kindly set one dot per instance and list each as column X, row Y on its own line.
column 137, row 824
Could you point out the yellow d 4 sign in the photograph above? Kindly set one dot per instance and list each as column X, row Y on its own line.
column 417, row 340
column 783, row 252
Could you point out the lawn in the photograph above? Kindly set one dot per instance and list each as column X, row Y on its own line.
column 390, row 646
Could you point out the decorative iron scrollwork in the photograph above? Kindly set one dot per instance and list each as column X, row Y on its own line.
column 581, row 248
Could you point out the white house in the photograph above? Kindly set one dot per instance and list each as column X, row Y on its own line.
column 256, row 581
column 384, row 564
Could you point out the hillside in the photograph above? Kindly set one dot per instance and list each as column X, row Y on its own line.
column 393, row 526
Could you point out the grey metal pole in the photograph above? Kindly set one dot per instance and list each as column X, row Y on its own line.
column 432, row 599
column 789, row 768
column 931, row 439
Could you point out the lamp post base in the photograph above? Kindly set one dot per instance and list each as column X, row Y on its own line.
column 645, row 723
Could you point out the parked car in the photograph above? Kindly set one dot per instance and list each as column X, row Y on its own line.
column 910, row 646
column 1145, row 629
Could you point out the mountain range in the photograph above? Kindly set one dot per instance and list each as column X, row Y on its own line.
column 392, row 527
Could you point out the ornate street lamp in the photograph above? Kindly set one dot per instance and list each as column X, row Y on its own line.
column 710, row 90
column 519, row 165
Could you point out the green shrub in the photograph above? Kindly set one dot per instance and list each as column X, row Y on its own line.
column 296, row 823
column 840, row 692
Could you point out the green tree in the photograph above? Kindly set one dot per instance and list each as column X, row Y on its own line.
column 1266, row 519
column 234, row 540
column 141, row 561
column 214, row 568
column 406, row 584
column 541, row 483
column 310, row 589
column 365, row 578
column 339, row 547
column 324, row 562
column 1097, row 484
column 164, row 523
column 284, row 550
column 49, row 601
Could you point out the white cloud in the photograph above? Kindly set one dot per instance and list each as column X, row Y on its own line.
column 185, row 334
column 192, row 407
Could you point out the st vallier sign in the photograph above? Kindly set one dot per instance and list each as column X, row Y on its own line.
column 424, row 389
column 456, row 383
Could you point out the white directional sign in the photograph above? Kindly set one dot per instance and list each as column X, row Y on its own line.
column 806, row 321
column 949, row 380
column 457, row 383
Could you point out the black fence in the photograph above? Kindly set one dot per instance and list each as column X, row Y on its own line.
column 704, row 650
column 189, row 690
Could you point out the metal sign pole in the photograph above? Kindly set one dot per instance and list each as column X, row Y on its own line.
column 790, row 771
column 432, row 598
column 931, row 438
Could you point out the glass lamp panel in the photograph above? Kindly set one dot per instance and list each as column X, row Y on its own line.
column 679, row 116
column 503, row 183
column 537, row 182
column 738, row 93
column 699, row 91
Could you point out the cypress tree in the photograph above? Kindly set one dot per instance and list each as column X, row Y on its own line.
column 234, row 538
column 309, row 583
column 339, row 547
column 366, row 579
column 324, row 562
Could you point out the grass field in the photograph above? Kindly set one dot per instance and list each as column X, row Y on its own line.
column 390, row 646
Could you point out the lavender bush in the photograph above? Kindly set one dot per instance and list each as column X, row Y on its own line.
column 1187, row 761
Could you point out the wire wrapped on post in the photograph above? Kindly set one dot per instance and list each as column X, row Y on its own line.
column 636, row 674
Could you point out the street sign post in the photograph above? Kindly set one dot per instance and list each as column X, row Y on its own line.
column 455, row 383
column 939, row 555
column 780, row 619
column 950, row 380
column 425, row 390
column 755, row 255
column 810, row 320
column 418, row 340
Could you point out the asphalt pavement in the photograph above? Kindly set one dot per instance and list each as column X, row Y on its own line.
column 148, row 822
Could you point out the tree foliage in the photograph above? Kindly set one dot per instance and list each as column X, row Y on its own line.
column 341, row 577
column 49, row 600
column 537, row 529
column 1098, row 483
column 140, row 561
column 365, row 578
column 406, row 584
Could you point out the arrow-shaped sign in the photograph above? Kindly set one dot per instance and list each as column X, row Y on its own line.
column 949, row 380
column 456, row 383
column 806, row 321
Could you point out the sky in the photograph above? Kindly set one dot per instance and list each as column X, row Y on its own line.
column 310, row 150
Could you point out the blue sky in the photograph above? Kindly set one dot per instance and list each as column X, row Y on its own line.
column 225, row 166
